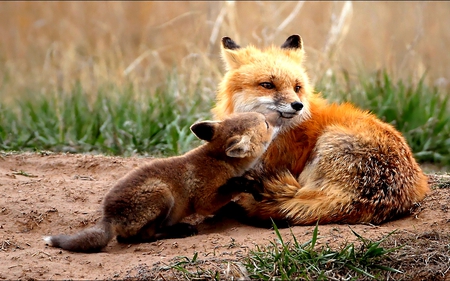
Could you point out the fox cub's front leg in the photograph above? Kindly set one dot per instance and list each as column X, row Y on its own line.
column 243, row 184
column 259, row 202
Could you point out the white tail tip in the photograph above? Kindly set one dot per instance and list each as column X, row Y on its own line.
column 48, row 240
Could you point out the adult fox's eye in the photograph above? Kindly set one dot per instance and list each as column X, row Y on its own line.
column 267, row 85
column 297, row 89
column 267, row 124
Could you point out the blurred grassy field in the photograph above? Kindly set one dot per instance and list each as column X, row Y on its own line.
column 111, row 76
column 47, row 45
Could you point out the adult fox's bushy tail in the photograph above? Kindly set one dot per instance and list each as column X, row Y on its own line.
column 92, row 239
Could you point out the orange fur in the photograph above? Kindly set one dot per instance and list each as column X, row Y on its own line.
column 330, row 162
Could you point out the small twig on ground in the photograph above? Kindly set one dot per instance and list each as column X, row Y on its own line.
column 23, row 173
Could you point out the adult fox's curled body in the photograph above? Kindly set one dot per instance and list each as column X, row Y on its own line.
column 330, row 162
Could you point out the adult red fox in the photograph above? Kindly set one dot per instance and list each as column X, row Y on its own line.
column 330, row 163
column 149, row 202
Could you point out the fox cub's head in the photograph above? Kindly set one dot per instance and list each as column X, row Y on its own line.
column 241, row 135
column 264, row 80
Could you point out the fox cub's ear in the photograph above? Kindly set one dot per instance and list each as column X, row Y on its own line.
column 229, row 53
column 205, row 130
column 238, row 146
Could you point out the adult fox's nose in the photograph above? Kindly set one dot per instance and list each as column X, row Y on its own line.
column 297, row 106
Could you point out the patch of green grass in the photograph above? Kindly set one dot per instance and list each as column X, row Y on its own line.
column 420, row 112
column 282, row 260
column 288, row 261
column 125, row 121
column 422, row 256
column 116, row 122
column 191, row 269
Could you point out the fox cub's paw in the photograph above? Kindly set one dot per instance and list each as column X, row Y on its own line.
column 243, row 184
column 179, row 230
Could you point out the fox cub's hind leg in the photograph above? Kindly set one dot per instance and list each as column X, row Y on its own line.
column 146, row 234
column 139, row 220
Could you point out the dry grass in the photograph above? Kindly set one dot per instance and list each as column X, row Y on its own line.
column 48, row 46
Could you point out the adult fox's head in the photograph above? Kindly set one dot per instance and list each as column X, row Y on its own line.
column 264, row 80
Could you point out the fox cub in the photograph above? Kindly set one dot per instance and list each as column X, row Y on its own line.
column 149, row 202
column 330, row 163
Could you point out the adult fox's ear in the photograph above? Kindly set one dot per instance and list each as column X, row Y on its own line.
column 293, row 47
column 229, row 53
column 293, row 42
column 238, row 146
column 205, row 130
column 228, row 43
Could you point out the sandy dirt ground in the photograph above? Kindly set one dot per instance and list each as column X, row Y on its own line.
column 44, row 193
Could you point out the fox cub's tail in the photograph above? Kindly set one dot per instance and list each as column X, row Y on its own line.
column 91, row 239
